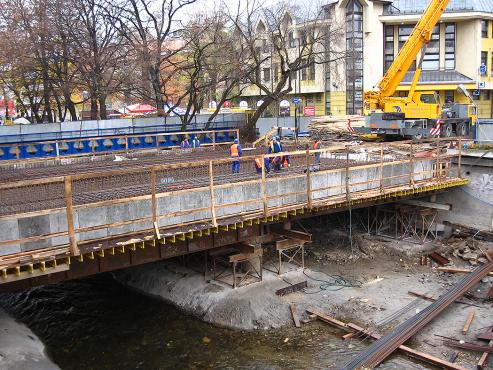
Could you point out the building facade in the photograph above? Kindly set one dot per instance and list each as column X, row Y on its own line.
column 374, row 32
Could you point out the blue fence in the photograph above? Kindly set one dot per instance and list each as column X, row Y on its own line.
column 99, row 145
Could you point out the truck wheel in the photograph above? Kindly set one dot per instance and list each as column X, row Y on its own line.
column 461, row 129
column 446, row 130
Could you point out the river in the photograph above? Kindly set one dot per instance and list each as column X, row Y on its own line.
column 96, row 323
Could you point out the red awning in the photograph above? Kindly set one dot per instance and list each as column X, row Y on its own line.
column 140, row 108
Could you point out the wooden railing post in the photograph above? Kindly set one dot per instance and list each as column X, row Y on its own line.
column 308, row 179
column 74, row 249
column 438, row 158
column 153, row 192
column 348, row 187
column 211, row 187
column 411, row 166
column 264, row 189
column 155, row 222
column 213, row 140
column 459, row 161
column 381, row 168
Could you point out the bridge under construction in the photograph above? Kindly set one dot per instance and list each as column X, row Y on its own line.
column 67, row 218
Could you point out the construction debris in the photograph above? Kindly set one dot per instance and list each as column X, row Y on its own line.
column 352, row 328
column 327, row 127
column 457, row 270
column 294, row 313
column 484, row 357
column 292, row 288
column 469, row 346
column 438, row 258
column 381, row 349
column 468, row 322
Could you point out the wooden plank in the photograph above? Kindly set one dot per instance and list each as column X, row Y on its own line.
column 422, row 203
column 438, row 258
column 294, row 313
column 468, row 322
column 308, row 180
column 264, row 188
column 294, row 234
column 469, row 346
column 292, row 288
column 484, row 357
column 407, row 350
column 457, row 270
column 153, row 198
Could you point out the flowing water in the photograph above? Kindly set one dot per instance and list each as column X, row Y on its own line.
column 98, row 324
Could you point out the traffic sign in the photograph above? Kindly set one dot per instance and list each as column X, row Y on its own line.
column 481, row 84
column 296, row 100
column 482, row 69
column 476, row 92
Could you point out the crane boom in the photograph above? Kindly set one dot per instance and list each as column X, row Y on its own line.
column 420, row 35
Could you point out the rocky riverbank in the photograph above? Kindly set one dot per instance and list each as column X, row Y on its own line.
column 20, row 348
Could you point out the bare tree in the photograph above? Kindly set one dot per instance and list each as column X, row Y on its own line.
column 149, row 26
column 292, row 44
column 100, row 53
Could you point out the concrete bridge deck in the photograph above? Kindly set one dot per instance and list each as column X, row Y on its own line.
column 113, row 219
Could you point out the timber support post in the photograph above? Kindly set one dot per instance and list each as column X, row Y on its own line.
column 211, row 187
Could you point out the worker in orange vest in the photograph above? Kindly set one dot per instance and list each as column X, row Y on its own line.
column 236, row 152
column 317, row 145
column 258, row 164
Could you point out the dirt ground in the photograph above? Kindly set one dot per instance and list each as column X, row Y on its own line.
column 367, row 284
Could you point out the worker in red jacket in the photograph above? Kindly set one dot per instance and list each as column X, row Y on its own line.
column 236, row 152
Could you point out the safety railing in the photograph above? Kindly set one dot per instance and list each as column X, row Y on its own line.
column 75, row 210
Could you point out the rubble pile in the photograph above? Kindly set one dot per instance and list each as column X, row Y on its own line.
column 469, row 250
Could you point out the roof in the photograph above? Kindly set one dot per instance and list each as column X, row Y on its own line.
column 438, row 77
column 454, row 6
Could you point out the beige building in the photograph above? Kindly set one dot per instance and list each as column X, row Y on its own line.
column 374, row 32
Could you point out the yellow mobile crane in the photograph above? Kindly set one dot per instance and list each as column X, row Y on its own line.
column 420, row 112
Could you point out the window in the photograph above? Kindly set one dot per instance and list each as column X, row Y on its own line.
column 267, row 74
column 484, row 28
column 303, row 38
column 449, row 45
column 292, row 41
column 303, row 70
column 388, row 46
column 484, row 57
column 486, row 94
column 428, row 99
column 275, row 72
column 311, row 71
column 318, row 98
column 404, row 32
column 492, row 64
column 431, row 60
column 354, row 57
column 265, row 48
column 449, row 96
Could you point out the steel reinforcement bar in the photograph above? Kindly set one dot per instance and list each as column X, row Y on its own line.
column 382, row 348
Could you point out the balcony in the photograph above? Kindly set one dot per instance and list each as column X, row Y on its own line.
column 399, row 7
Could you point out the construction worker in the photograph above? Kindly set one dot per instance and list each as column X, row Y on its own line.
column 236, row 152
column 195, row 142
column 184, row 143
column 317, row 145
column 275, row 147
column 258, row 164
